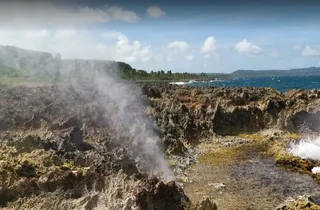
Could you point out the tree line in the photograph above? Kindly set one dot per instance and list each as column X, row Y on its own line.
column 129, row 73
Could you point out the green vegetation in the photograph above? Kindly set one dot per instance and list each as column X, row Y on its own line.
column 6, row 71
column 258, row 73
column 129, row 73
column 133, row 74
column 9, row 75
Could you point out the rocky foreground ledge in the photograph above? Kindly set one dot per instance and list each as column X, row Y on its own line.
column 62, row 148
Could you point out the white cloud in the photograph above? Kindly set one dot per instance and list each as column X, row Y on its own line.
column 117, row 13
column 207, row 56
column 155, row 12
column 131, row 52
column 247, row 48
column 180, row 45
column 209, row 45
column 190, row 57
column 71, row 43
column 44, row 13
column 311, row 51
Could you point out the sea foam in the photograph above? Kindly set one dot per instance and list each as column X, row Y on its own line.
column 308, row 148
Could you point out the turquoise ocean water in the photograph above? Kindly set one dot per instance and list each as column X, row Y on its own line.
column 281, row 83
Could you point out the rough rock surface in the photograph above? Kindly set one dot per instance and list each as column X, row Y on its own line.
column 192, row 113
column 300, row 203
column 61, row 148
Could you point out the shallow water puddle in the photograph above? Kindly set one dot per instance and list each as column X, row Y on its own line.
column 242, row 178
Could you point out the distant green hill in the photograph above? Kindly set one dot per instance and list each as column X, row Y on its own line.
column 261, row 73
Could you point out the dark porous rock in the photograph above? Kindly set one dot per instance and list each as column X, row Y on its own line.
column 192, row 113
column 205, row 204
column 26, row 170
column 158, row 195
column 151, row 92
column 73, row 140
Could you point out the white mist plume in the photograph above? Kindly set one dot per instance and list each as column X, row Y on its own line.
column 138, row 126
column 308, row 148
column 143, row 144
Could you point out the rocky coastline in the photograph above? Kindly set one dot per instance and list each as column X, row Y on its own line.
column 62, row 148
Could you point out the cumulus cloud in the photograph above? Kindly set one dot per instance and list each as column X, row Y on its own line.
column 44, row 13
column 209, row 45
column 179, row 45
column 311, row 51
column 155, row 12
column 131, row 52
column 246, row 48
column 117, row 13
column 72, row 43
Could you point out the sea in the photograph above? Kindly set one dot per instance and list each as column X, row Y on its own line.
column 281, row 83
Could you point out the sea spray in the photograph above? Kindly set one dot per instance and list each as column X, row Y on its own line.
column 306, row 148
column 315, row 170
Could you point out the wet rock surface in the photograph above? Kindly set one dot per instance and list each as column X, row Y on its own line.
column 244, row 177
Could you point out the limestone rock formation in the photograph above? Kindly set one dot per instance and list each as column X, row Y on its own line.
column 301, row 203
column 64, row 148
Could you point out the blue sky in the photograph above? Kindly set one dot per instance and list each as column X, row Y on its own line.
column 193, row 36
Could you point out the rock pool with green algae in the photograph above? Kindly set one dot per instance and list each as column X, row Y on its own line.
column 250, row 180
